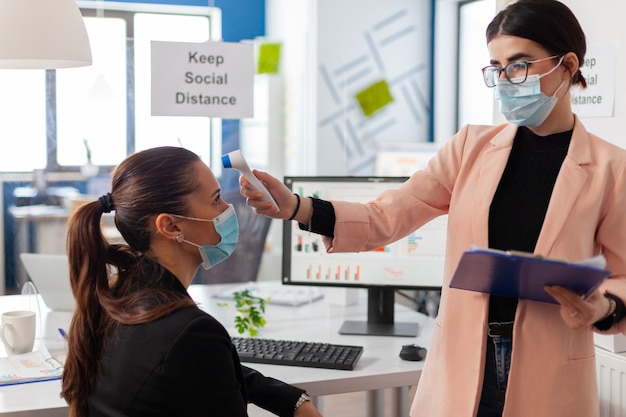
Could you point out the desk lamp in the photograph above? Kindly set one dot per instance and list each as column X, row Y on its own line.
column 42, row 34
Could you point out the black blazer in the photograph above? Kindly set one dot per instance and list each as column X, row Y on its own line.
column 183, row 365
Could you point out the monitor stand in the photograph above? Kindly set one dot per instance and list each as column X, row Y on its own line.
column 380, row 322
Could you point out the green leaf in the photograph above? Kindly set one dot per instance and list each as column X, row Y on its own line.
column 251, row 309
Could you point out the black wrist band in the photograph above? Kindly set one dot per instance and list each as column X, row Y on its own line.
column 619, row 313
column 293, row 216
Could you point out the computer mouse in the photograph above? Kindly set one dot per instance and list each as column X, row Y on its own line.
column 412, row 352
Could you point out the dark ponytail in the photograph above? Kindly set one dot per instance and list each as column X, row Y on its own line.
column 86, row 249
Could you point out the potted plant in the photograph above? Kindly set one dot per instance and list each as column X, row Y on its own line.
column 88, row 169
column 250, row 311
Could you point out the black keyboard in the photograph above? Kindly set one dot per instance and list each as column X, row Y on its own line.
column 297, row 353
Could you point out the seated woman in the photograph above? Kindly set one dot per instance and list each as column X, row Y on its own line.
column 138, row 344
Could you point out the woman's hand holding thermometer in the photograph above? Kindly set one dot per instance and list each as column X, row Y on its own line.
column 236, row 160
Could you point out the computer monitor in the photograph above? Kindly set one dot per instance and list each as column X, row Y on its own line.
column 414, row 262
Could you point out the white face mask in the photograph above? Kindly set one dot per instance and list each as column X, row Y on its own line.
column 524, row 104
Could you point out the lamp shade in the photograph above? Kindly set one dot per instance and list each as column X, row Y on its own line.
column 42, row 34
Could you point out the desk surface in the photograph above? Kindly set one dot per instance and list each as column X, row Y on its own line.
column 378, row 368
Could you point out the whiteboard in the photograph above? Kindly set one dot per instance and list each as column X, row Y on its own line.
column 383, row 41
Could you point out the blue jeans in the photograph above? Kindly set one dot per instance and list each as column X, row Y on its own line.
column 497, row 365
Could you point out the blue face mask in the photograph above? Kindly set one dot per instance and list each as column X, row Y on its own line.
column 227, row 227
column 524, row 104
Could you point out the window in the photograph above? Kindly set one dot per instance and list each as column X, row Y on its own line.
column 23, row 119
column 48, row 115
column 476, row 102
column 91, row 101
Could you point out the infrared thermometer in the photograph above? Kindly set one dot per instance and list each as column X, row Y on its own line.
column 236, row 161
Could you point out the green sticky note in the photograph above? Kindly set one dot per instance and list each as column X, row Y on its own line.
column 269, row 58
column 374, row 97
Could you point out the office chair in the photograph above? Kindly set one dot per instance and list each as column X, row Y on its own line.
column 243, row 264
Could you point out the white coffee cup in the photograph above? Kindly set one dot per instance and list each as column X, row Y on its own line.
column 18, row 331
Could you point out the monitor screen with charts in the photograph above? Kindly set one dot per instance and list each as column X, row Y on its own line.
column 413, row 262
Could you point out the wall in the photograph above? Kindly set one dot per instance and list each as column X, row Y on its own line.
column 337, row 51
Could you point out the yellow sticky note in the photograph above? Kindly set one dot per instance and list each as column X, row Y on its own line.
column 269, row 58
column 374, row 97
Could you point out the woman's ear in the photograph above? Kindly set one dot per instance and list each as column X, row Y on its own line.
column 570, row 61
column 166, row 226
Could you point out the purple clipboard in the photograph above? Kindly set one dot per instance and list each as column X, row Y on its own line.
column 521, row 276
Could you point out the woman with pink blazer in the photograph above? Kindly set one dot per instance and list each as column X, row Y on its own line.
column 540, row 183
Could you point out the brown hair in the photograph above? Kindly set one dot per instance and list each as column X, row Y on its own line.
column 549, row 23
column 104, row 277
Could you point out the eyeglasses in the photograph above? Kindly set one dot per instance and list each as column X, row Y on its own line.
column 515, row 72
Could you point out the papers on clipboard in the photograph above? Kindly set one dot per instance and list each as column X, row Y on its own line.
column 29, row 367
column 524, row 275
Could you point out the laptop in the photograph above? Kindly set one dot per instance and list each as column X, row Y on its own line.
column 51, row 275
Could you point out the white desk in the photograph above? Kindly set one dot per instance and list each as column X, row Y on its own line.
column 379, row 367
column 41, row 398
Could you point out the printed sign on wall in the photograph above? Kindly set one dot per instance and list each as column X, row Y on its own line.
column 213, row 79
column 597, row 100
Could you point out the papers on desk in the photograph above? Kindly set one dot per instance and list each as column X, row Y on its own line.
column 279, row 294
column 29, row 367
column 524, row 275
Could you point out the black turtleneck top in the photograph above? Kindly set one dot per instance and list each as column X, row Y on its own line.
column 521, row 200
